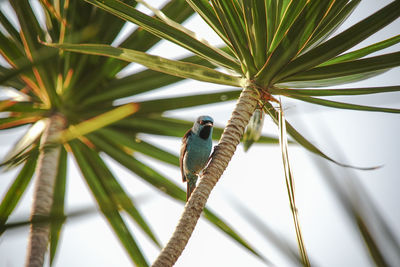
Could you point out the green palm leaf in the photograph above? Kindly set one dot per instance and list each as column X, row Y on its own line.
column 333, row 92
column 364, row 51
column 361, row 213
column 106, row 204
column 205, row 10
column 172, row 103
column 342, row 41
column 139, row 82
column 98, row 122
column 10, row 29
column 294, row 36
column 338, row 13
column 30, row 31
column 116, row 192
column 232, row 21
column 16, row 190
column 166, row 31
column 167, row 187
column 290, row 186
column 172, row 67
column 333, row 81
column 299, row 138
column 138, row 145
column 366, row 65
column 26, row 142
column 335, row 104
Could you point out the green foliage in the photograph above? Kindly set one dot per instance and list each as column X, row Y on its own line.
column 83, row 88
column 273, row 46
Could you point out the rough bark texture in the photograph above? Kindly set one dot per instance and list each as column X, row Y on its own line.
column 221, row 157
column 46, row 173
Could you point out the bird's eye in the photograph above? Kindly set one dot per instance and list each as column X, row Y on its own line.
column 202, row 122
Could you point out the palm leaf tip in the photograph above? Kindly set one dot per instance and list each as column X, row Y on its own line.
column 301, row 140
column 98, row 122
column 22, row 147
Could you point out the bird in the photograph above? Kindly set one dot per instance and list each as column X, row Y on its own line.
column 195, row 151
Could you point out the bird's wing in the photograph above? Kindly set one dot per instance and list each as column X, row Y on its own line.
column 183, row 152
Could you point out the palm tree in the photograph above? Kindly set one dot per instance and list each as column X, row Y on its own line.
column 287, row 48
column 65, row 102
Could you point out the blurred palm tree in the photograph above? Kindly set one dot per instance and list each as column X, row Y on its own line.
column 285, row 48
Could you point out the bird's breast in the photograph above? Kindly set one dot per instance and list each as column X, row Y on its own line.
column 197, row 154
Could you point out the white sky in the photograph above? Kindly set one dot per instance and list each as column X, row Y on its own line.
column 255, row 179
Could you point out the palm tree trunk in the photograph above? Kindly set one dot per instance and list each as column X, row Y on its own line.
column 222, row 155
column 46, row 171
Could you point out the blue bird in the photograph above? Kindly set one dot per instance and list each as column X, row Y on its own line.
column 195, row 151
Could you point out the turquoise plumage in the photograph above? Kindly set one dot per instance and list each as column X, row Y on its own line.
column 195, row 151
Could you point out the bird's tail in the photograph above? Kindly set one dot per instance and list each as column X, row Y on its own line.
column 191, row 185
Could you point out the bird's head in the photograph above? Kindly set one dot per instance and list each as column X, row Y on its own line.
column 203, row 126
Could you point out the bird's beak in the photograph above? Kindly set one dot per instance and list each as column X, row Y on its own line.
column 209, row 124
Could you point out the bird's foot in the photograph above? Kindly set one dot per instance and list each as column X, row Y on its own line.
column 216, row 148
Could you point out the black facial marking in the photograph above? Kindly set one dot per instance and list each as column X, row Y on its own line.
column 205, row 132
